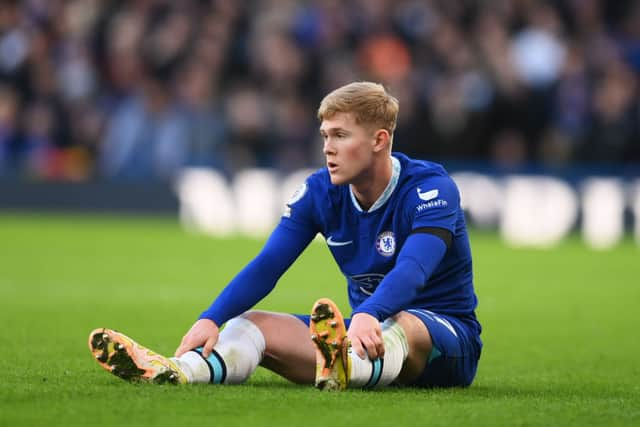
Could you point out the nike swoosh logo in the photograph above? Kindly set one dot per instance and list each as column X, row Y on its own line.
column 428, row 195
column 332, row 242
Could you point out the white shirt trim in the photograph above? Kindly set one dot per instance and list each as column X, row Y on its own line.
column 386, row 194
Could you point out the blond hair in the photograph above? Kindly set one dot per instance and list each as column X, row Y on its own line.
column 369, row 102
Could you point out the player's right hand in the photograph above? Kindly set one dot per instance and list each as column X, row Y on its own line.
column 365, row 335
column 203, row 333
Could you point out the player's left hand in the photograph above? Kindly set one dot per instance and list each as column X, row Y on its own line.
column 366, row 336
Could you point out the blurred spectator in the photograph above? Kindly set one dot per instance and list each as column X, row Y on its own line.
column 8, row 128
column 294, row 129
column 207, row 140
column 147, row 136
column 252, row 139
column 139, row 89
column 537, row 51
column 614, row 127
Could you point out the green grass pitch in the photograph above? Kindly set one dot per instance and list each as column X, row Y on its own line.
column 560, row 332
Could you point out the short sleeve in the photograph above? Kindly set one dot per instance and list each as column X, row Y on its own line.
column 434, row 202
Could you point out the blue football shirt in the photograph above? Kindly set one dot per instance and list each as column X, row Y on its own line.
column 365, row 244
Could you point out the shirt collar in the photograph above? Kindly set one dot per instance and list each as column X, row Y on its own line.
column 386, row 194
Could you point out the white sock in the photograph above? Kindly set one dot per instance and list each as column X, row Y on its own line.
column 236, row 355
column 381, row 372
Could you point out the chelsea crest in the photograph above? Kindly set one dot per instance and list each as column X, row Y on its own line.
column 386, row 244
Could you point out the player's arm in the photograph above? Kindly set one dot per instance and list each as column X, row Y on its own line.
column 292, row 235
column 248, row 287
column 260, row 276
column 432, row 209
column 418, row 258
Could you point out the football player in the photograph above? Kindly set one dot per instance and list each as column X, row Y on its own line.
column 396, row 230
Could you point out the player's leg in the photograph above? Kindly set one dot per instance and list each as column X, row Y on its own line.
column 421, row 348
column 455, row 351
column 439, row 351
column 407, row 344
column 236, row 355
column 280, row 342
column 277, row 341
column 337, row 367
column 288, row 352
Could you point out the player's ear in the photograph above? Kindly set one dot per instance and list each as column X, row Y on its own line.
column 382, row 139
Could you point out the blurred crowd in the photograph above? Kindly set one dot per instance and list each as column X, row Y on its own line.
column 138, row 89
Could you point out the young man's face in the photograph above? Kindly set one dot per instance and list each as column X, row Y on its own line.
column 348, row 147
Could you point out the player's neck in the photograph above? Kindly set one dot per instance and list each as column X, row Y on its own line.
column 371, row 184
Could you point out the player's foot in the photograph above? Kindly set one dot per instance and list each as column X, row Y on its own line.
column 125, row 358
column 329, row 335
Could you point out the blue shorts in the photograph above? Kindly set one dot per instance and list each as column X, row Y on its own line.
column 455, row 353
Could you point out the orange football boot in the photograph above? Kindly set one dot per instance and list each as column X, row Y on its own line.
column 125, row 358
column 329, row 334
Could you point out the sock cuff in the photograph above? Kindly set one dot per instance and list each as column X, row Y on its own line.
column 376, row 372
column 217, row 367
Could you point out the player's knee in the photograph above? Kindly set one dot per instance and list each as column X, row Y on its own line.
column 257, row 317
column 418, row 337
column 267, row 323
